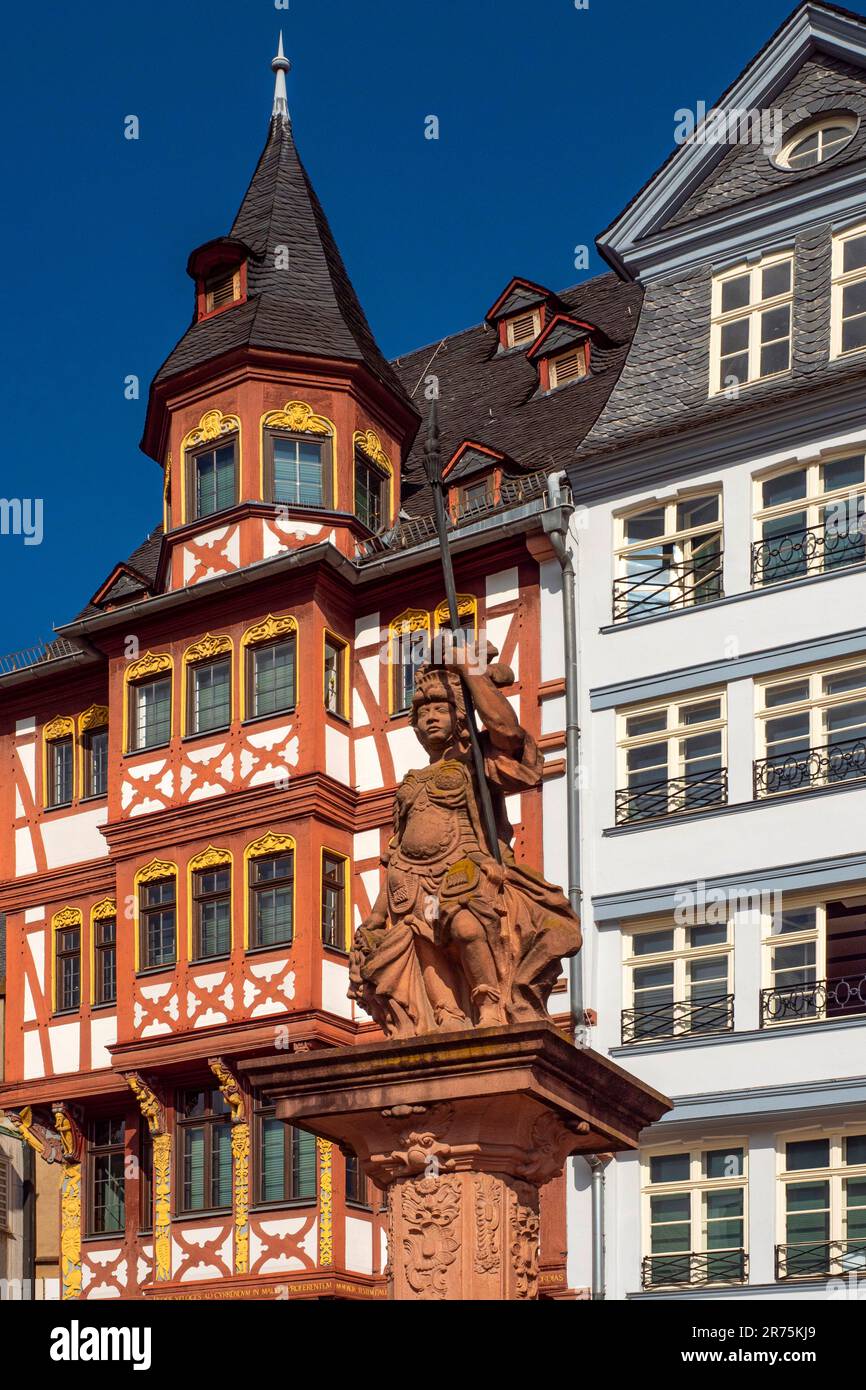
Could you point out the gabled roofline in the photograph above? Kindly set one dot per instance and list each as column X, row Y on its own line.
column 517, row 280
column 495, row 455
column 122, row 567
column 537, row 349
column 810, row 28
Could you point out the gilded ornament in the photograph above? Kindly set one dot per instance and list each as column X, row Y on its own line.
column 211, row 858
column 70, row 1231
column 162, row 1207
column 63, row 726
column 326, row 1202
column 298, row 417
column 207, row 649
column 96, row 717
column 213, row 425
column 67, row 917
column 268, row 630
column 231, row 1091
column 156, row 870
column 148, row 1102
column 104, row 910
column 241, row 1160
column 151, row 664
column 271, row 843
column 370, row 444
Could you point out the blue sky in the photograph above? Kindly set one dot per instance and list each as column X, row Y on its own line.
column 550, row 119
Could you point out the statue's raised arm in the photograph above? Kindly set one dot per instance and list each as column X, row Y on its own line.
column 456, row 939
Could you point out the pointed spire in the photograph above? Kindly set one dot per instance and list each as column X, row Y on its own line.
column 281, row 66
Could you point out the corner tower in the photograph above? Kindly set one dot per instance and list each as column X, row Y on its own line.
column 277, row 420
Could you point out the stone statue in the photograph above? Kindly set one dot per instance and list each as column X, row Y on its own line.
column 455, row 939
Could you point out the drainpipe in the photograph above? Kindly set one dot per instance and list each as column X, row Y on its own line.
column 28, row 1233
column 555, row 522
column 597, row 1164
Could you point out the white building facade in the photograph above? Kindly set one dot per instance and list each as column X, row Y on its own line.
column 720, row 586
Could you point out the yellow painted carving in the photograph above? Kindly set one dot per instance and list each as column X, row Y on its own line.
column 268, row 630
column 270, row 843
column 67, row 917
column 70, row 1231
column 231, row 1091
column 241, row 1158
column 94, row 718
column 154, row 871
column 467, row 607
column 106, row 909
column 370, row 444
column 25, row 1122
column 61, row 727
column 63, row 1125
column 211, row 858
column 148, row 1103
column 298, row 417
column 162, row 1207
column 212, row 425
column 326, row 1202
column 151, row 664
column 207, row 649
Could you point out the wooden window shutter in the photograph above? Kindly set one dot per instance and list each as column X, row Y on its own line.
column 568, row 367
column 522, row 328
column 221, row 290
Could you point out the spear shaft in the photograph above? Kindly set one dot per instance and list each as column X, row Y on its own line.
column 432, row 465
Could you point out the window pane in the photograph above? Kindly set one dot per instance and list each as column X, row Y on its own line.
column 651, row 943
column 845, row 472
column 855, row 1149
column 776, row 279
column 97, row 763
column 735, row 293
column 785, row 487
column 641, row 526
column 807, row 1153
column 669, row 1168
column 854, row 253
column 735, row 337
column 274, row 677
column 724, row 1163
column 211, row 696
column 697, row 511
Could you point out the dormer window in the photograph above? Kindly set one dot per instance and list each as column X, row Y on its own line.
column 297, row 470
column 523, row 328
column 222, row 289
column 370, row 485
column 568, row 366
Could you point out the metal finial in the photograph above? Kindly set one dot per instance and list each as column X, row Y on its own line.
column 280, row 65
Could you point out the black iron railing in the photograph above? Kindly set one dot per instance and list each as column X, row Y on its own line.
column 416, row 530
column 814, row 1000
column 695, row 1269
column 806, row 550
column 672, row 797
column 38, row 655
column 828, row 1257
column 824, row 765
column 670, row 584
column 645, row 1024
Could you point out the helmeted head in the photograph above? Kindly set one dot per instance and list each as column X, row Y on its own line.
column 438, row 713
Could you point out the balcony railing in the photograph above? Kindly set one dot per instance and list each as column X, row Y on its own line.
column 678, row 1020
column 814, row 1001
column 670, row 584
column 830, row 1257
column 825, row 765
column 38, row 655
column 673, row 797
column 695, row 1269
column 806, row 550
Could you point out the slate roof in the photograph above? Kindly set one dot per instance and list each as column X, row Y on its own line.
column 309, row 308
column 492, row 397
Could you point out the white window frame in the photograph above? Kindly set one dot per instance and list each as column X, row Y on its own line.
column 840, row 280
column 753, row 311
column 819, row 127
column 683, row 541
column 696, row 1186
column 835, row 1174
column 680, row 956
column 812, row 502
column 816, row 935
column 815, row 705
column 673, row 735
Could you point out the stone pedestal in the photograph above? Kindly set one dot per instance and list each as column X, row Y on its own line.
column 462, row 1130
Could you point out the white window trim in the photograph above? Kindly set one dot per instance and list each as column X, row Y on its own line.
column 814, row 500
column 682, row 540
column 847, row 119
column 815, row 705
column 674, row 734
column 816, row 934
column 840, row 279
column 696, row 1185
column 679, row 957
column 755, row 308
column 834, row 1174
